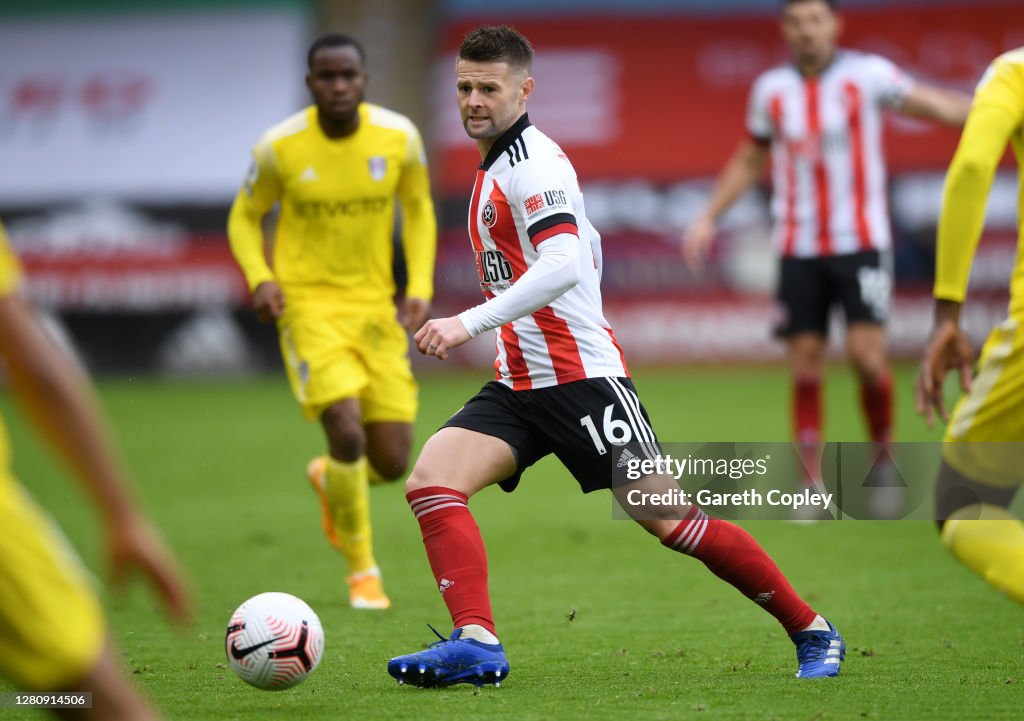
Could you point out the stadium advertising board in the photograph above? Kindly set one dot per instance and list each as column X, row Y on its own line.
column 663, row 97
column 159, row 107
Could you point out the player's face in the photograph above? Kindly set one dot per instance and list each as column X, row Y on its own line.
column 491, row 96
column 811, row 30
column 337, row 81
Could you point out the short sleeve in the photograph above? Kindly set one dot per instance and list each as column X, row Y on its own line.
column 542, row 195
column 889, row 84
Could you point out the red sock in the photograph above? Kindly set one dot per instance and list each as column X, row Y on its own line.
column 807, row 424
column 456, row 553
column 733, row 555
column 877, row 401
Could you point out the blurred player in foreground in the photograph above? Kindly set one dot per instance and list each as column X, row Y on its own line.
column 558, row 369
column 52, row 633
column 983, row 453
column 819, row 118
column 336, row 168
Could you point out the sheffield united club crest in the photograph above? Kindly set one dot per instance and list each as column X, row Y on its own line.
column 489, row 213
column 378, row 167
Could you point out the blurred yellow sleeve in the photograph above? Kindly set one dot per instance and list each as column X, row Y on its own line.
column 245, row 221
column 10, row 268
column 997, row 111
column 419, row 225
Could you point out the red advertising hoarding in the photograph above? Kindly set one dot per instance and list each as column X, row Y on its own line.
column 664, row 97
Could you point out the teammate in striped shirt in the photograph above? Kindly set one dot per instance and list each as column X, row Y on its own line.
column 981, row 459
column 561, row 384
column 819, row 118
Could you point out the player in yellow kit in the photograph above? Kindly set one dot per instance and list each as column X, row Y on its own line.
column 52, row 633
column 983, row 453
column 336, row 169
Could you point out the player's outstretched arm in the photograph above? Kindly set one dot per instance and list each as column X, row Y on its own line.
column 551, row 275
column 60, row 402
column 939, row 105
column 744, row 169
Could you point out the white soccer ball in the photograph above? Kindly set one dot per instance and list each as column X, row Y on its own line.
column 274, row 641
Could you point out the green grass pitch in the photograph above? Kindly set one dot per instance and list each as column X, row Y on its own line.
column 599, row 621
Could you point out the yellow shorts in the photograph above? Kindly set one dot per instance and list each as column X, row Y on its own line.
column 333, row 356
column 985, row 437
column 51, row 625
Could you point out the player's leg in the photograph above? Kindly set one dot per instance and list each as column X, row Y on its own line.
column 388, row 445
column 727, row 550
column 864, row 289
column 321, row 354
column 981, row 470
column 732, row 554
column 342, row 479
column 865, row 345
column 389, row 400
column 805, row 302
column 486, row 442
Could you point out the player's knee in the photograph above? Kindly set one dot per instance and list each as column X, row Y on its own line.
column 346, row 442
column 390, row 467
column 871, row 367
column 424, row 476
column 343, row 425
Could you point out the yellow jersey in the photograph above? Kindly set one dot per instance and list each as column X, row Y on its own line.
column 10, row 282
column 333, row 241
column 996, row 118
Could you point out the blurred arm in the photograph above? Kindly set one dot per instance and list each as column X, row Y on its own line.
column 419, row 229
column 59, row 401
column 744, row 169
column 258, row 195
column 245, row 233
column 965, row 196
column 928, row 102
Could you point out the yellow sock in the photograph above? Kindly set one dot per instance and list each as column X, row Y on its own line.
column 349, row 498
column 989, row 540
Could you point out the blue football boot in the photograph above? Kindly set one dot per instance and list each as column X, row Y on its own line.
column 451, row 661
column 819, row 653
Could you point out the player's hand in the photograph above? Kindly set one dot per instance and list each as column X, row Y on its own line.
column 696, row 242
column 135, row 545
column 268, row 301
column 414, row 313
column 439, row 335
column 948, row 349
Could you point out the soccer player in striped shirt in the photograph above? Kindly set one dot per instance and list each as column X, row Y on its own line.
column 558, row 369
column 337, row 169
column 819, row 117
column 982, row 456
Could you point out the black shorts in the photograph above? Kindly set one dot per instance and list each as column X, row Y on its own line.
column 555, row 420
column 809, row 287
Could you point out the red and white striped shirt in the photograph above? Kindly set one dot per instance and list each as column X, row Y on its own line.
column 828, row 169
column 526, row 191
